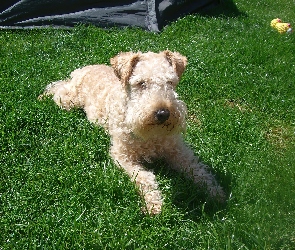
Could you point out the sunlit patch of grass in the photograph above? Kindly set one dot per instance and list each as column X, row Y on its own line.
column 60, row 188
column 281, row 136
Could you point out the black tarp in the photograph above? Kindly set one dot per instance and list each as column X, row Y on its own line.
column 152, row 15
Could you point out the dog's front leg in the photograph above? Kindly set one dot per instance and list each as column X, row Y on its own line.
column 145, row 181
column 182, row 158
column 148, row 187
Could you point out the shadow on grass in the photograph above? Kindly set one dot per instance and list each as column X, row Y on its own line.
column 226, row 8
column 192, row 199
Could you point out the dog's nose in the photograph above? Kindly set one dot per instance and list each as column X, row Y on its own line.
column 162, row 115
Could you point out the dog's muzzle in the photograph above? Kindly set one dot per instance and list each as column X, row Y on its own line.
column 162, row 115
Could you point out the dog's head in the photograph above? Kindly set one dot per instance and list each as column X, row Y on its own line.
column 150, row 80
column 125, row 62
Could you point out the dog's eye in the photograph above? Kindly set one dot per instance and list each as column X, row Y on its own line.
column 142, row 85
column 170, row 82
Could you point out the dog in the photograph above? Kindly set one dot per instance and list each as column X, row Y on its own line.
column 135, row 100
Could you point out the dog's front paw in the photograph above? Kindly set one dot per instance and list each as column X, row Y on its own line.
column 153, row 202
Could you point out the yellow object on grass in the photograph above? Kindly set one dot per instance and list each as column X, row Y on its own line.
column 281, row 27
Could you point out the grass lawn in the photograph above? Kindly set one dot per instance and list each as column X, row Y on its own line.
column 59, row 189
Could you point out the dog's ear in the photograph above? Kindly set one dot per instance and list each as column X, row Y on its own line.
column 177, row 61
column 123, row 65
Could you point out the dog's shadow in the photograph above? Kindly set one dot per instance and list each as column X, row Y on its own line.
column 181, row 192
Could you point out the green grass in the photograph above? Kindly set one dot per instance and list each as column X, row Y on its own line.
column 59, row 189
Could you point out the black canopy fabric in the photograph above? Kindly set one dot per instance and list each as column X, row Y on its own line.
column 152, row 15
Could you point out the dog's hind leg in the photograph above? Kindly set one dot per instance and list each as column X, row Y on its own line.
column 63, row 93
column 67, row 94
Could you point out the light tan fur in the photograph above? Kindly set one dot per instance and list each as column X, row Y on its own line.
column 136, row 102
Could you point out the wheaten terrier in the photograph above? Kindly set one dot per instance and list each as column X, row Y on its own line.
column 136, row 102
